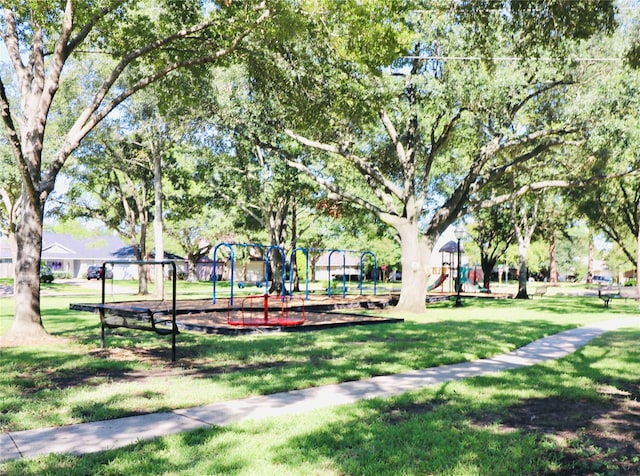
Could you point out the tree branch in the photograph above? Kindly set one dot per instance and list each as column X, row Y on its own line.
column 498, row 172
column 60, row 54
column 382, row 188
column 13, row 49
column 331, row 187
column 547, row 86
column 541, row 185
column 16, row 148
column 93, row 114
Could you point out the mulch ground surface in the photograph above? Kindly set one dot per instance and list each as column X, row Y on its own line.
column 249, row 314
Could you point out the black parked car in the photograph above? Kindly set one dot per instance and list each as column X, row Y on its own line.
column 95, row 272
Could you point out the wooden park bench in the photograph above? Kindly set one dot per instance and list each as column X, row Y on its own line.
column 607, row 293
column 540, row 291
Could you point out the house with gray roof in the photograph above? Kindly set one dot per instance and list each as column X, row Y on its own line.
column 69, row 256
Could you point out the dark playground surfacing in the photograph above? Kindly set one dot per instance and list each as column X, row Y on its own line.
column 250, row 313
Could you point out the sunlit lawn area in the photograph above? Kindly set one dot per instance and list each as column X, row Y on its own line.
column 440, row 430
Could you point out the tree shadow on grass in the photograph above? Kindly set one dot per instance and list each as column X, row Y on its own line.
column 359, row 352
column 289, row 361
column 578, row 428
column 593, row 437
column 263, row 364
column 414, row 436
column 591, row 408
column 194, row 452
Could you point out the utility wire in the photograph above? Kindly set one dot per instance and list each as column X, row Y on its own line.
column 511, row 58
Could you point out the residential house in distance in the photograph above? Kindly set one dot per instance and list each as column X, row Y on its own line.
column 70, row 257
column 337, row 264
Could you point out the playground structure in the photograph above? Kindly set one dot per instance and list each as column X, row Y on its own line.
column 470, row 277
column 254, row 314
column 265, row 310
column 438, row 282
column 270, row 249
column 230, row 248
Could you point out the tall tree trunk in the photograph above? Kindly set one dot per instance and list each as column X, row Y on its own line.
column 157, row 220
column 278, row 232
column 295, row 277
column 141, row 254
column 276, row 262
column 590, row 260
column 522, row 271
column 313, row 261
column 553, row 264
column 638, row 263
column 192, row 270
column 416, row 256
column 487, row 266
column 28, row 237
column 524, row 227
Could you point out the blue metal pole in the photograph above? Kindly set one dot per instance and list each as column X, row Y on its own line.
column 215, row 269
column 362, row 256
column 375, row 275
column 344, row 283
column 306, row 284
column 344, row 274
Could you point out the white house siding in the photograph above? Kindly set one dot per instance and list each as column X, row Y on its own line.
column 351, row 266
column 70, row 256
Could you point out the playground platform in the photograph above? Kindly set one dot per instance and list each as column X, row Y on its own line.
column 203, row 315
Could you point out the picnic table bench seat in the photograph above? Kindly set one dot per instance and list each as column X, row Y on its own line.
column 430, row 299
column 540, row 291
column 629, row 292
column 139, row 318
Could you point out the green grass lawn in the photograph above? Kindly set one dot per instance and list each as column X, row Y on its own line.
column 440, row 430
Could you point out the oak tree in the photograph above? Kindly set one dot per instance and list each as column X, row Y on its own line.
column 137, row 43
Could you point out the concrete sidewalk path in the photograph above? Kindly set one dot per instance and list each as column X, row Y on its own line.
column 103, row 435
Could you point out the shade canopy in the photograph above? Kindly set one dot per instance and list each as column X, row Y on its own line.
column 451, row 247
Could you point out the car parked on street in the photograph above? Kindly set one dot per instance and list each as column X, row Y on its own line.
column 603, row 280
column 95, row 272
